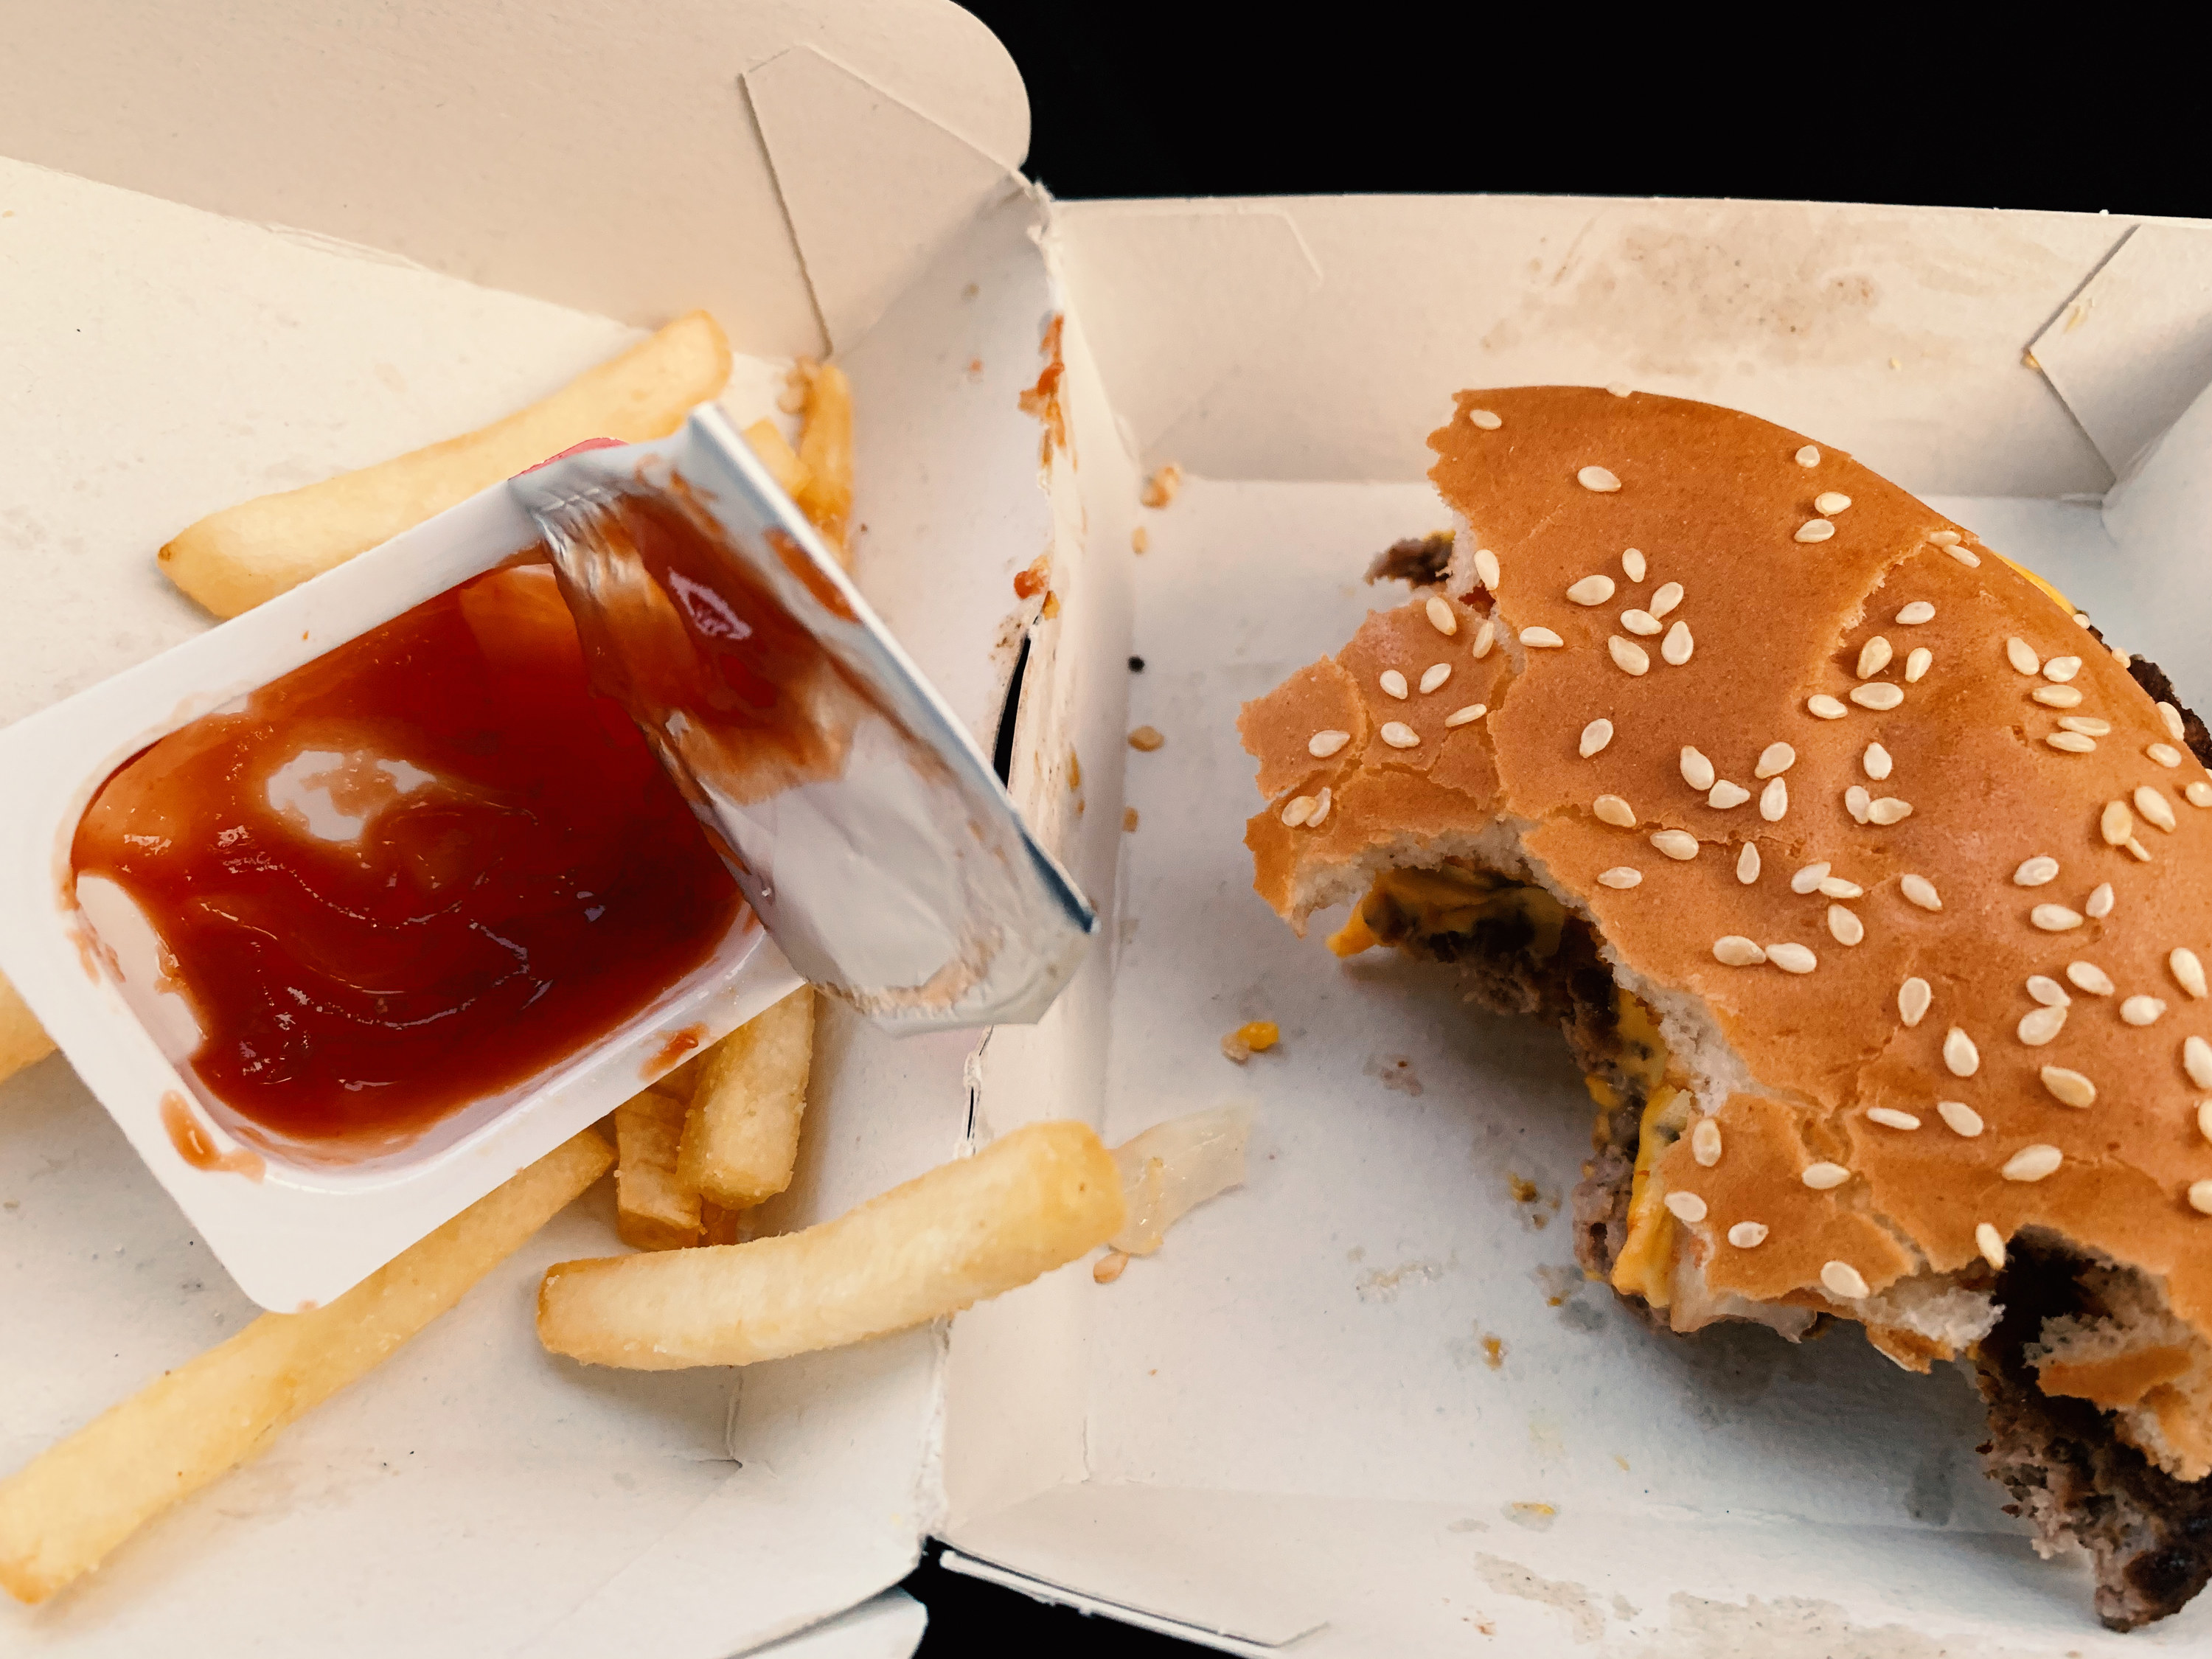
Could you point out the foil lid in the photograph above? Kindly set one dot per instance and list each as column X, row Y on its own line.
column 858, row 815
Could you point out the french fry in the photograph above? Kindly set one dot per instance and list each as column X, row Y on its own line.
column 825, row 449
column 233, row 560
column 741, row 1139
column 63, row 1511
column 1030, row 1201
column 653, row 1209
column 22, row 1039
column 767, row 441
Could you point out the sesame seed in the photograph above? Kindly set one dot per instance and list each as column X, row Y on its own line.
column 2100, row 904
column 1597, row 478
column 2032, row 1163
column 1829, row 503
column 1842, row 1279
column 2199, row 793
column 2204, row 1119
column 1775, row 757
column 1816, row 530
column 1918, row 613
column 1591, row 590
column 1697, row 770
column 1620, row 388
column 2196, row 1060
column 1874, row 657
column 2054, row 918
column 1876, row 762
column 1595, row 735
column 1857, row 803
column 2081, row 619
column 2038, row 1026
column 1300, row 808
column 1628, row 655
column 1485, row 567
column 2088, row 725
column 2018, row 653
column 1736, row 952
column 1322, row 744
column 1916, row 663
column 1641, row 621
column 2087, row 977
column 1442, row 616
column 2058, row 696
column 2072, row 743
column 1484, row 419
column 1959, row 1054
column 1541, row 639
column 2171, row 716
column 1724, row 795
column 1621, row 876
column 1877, row 694
column 1471, row 713
column 2047, row 991
column 1890, row 1118
column 1844, row 926
column 1685, row 1207
column 1146, row 739
column 1836, row 887
column 1918, row 889
column 1774, row 800
column 1399, row 735
column 2069, row 1088
column 1705, row 1143
column 1748, row 1235
column 1809, row 455
column 1611, row 810
column 1631, row 561
column 1965, row 555
column 2188, row 970
column 1887, row 809
column 1823, row 707
column 2037, row 871
column 1960, row 1118
column 2121, row 657
column 1991, row 1246
column 2199, row 1197
column 1435, row 674
column 1746, row 863
column 1809, row 878
column 2165, row 754
column 2062, row 668
column 2116, row 823
column 1666, row 598
column 1677, row 844
column 1484, row 637
column 1823, row 1178
column 1393, row 684
column 2142, row 1010
column 1320, row 811
column 1800, row 959
column 1678, row 644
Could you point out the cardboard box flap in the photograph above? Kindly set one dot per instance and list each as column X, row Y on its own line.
column 887, row 1626
column 2131, row 350
column 548, row 156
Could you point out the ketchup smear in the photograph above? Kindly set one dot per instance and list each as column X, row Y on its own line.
column 413, row 873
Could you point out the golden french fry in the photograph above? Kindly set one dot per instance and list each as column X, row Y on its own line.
column 825, row 448
column 65, row 1510
column 718, row 1225
column 22, row 1039
column 767, row 441
column 1028, row 1202
column 233, row 560
column 741, row 1139
column 653, row 1210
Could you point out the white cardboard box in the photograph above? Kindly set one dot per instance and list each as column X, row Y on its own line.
column 1284, row 1430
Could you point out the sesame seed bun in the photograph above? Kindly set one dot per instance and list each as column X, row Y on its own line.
column 1784, row 592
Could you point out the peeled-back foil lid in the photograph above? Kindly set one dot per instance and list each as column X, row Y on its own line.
column 860, row 818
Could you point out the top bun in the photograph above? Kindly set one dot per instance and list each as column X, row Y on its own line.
column 1715, row 655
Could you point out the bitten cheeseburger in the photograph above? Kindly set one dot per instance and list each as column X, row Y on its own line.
column 1869, row 886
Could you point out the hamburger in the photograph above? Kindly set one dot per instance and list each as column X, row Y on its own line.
column 1869, row 887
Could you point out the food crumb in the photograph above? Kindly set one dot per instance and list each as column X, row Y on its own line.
column 1494, row 1352
column 1524, row 1190
column 1146, row 737
column 1051, row 605
column 1108, row 1268
column 1028, row 583
column 1160, row 489
column 1254, row 1037
column 974, row 369
column 1074, row 771
column 1622, row 1461
column 1234, row 1047
column 1136, row 665
column 1128, row 818
column 1538, row 1517
column 1140, row 540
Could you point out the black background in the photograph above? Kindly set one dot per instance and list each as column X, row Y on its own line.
column 2081, row 111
